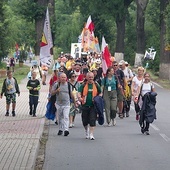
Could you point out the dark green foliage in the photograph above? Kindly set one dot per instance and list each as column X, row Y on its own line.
column 30, row 9
column 17, row 24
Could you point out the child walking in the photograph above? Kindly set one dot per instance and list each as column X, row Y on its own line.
column 33, row 86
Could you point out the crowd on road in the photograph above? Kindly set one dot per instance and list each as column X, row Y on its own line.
column 79, row 85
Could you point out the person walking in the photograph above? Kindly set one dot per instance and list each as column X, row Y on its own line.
column 74, row 86
column 87, row 91
column 33, row 85
column 9, row 89
column 128, row 78
column 52, row 99
column 110, row 85
column 136, row 83
column 63, row 95
column 121, row 86
column 147, row 102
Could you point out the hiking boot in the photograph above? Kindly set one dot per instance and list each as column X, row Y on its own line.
column 13, row 113
column 7, row 114
column 30, row 113
column 60, row 132
column 66, row 133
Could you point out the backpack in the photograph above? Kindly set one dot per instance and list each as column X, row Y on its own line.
column 69, row 90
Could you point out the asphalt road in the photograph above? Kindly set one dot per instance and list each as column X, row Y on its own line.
column 122, row 147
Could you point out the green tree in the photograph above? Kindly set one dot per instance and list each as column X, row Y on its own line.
column 3, row 31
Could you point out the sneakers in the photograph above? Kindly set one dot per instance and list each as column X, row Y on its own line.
column 71, row 125
column 114, row 122
column 137, row 117
column 121, row 115
column 13, row 113
column 91, row 137
column 146, row 133
column 142, row 130
column 127, row 114
column 7, row 114
column 30, row 113
column 87, row 134
column 56, row 122
column 60, row 132
column 110, row 124
column 66, row 133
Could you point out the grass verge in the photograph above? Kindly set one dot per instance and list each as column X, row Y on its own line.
column 19, row 73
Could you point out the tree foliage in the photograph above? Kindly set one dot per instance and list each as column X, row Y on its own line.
column 18, row 23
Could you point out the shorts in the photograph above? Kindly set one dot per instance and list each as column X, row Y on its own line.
column 89, row 116
column 119, row 96
column 10, row 98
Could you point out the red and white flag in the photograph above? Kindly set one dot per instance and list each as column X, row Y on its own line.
column 90, row 25
column 88, row 39
column 46, row 43
column 106, row 61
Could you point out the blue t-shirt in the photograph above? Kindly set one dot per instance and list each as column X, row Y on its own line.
column 109, row 82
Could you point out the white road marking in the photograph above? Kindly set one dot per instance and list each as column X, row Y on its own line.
column 158, row 85
column 165, row 137
column 155, row 127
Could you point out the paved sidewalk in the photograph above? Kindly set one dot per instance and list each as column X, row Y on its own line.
column 20, row 135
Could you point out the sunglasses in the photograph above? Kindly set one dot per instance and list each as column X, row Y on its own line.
column 73, row 76
column 115, row 65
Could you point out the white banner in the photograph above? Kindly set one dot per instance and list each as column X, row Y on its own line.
column 46, row 43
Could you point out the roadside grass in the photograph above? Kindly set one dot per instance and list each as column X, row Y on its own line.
column 163, row 82
column 19, row 73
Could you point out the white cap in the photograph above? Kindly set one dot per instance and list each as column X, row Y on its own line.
column 121, row 62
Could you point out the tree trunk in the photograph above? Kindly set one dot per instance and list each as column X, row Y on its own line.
column 120, row 23
column 119, row 51
column 140, row 23
column 164, row 71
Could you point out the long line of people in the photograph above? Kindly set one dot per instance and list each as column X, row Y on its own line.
column 74, row 85
column 118, row 87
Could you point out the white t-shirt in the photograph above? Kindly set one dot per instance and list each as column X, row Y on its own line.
column 128, row 73
column 146, row 87
column 137, row 83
